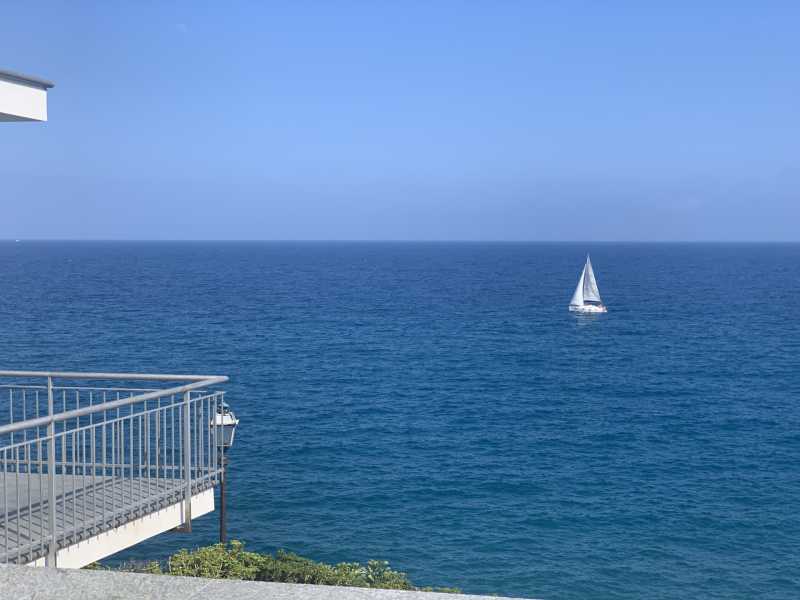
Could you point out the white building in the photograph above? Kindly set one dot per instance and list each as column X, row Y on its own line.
column 22, row 97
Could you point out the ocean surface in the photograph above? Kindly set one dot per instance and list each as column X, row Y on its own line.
column 436, row 405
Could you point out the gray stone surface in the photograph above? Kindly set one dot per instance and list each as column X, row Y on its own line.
column 31, row 583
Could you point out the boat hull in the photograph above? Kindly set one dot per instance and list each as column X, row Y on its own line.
column 588, row 308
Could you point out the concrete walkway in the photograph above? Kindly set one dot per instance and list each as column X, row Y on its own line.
column 29, row 583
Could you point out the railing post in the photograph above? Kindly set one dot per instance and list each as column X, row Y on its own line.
column 187, row 463
column 52, row 549
column 223, row 525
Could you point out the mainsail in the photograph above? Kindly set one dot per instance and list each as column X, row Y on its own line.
column 577, row 297
column 586, row 292
column 590, row 291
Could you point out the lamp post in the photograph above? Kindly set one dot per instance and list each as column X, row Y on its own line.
column 227, row 422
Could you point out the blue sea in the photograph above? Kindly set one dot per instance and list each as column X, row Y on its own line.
column 436, row 405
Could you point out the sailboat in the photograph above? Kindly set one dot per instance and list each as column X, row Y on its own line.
column 586, row 298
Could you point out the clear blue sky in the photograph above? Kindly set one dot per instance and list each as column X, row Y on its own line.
column 504, row 120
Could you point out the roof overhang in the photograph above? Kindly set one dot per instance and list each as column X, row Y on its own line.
column 22, row 97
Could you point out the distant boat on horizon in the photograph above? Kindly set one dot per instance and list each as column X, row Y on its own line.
column 586, row 298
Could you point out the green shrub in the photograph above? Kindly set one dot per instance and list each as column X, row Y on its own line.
column 152, row 567
column 233, row 562
column 291, row 568
column 216, row 562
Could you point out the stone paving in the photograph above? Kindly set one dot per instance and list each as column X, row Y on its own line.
column 32, row 583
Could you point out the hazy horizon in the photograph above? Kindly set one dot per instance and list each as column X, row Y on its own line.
column 451, row 121
column 399, row 241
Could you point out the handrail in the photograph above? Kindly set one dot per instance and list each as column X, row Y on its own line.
column 198, row 382
column 176, row 444
column 76, row 375
column 72, row 388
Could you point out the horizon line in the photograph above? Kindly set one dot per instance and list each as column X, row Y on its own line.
column 389, row 241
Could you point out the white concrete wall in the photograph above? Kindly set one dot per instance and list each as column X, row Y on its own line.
column 19, row 102
column 112, row 541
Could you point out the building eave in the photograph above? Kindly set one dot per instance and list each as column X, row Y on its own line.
column 15, row 77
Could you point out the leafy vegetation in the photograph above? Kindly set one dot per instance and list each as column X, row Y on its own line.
column 234, row 562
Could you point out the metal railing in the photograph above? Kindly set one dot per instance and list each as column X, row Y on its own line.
column 77, row 460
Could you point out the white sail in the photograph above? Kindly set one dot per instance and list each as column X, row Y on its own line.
column 590, row 291
column 577, row 297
